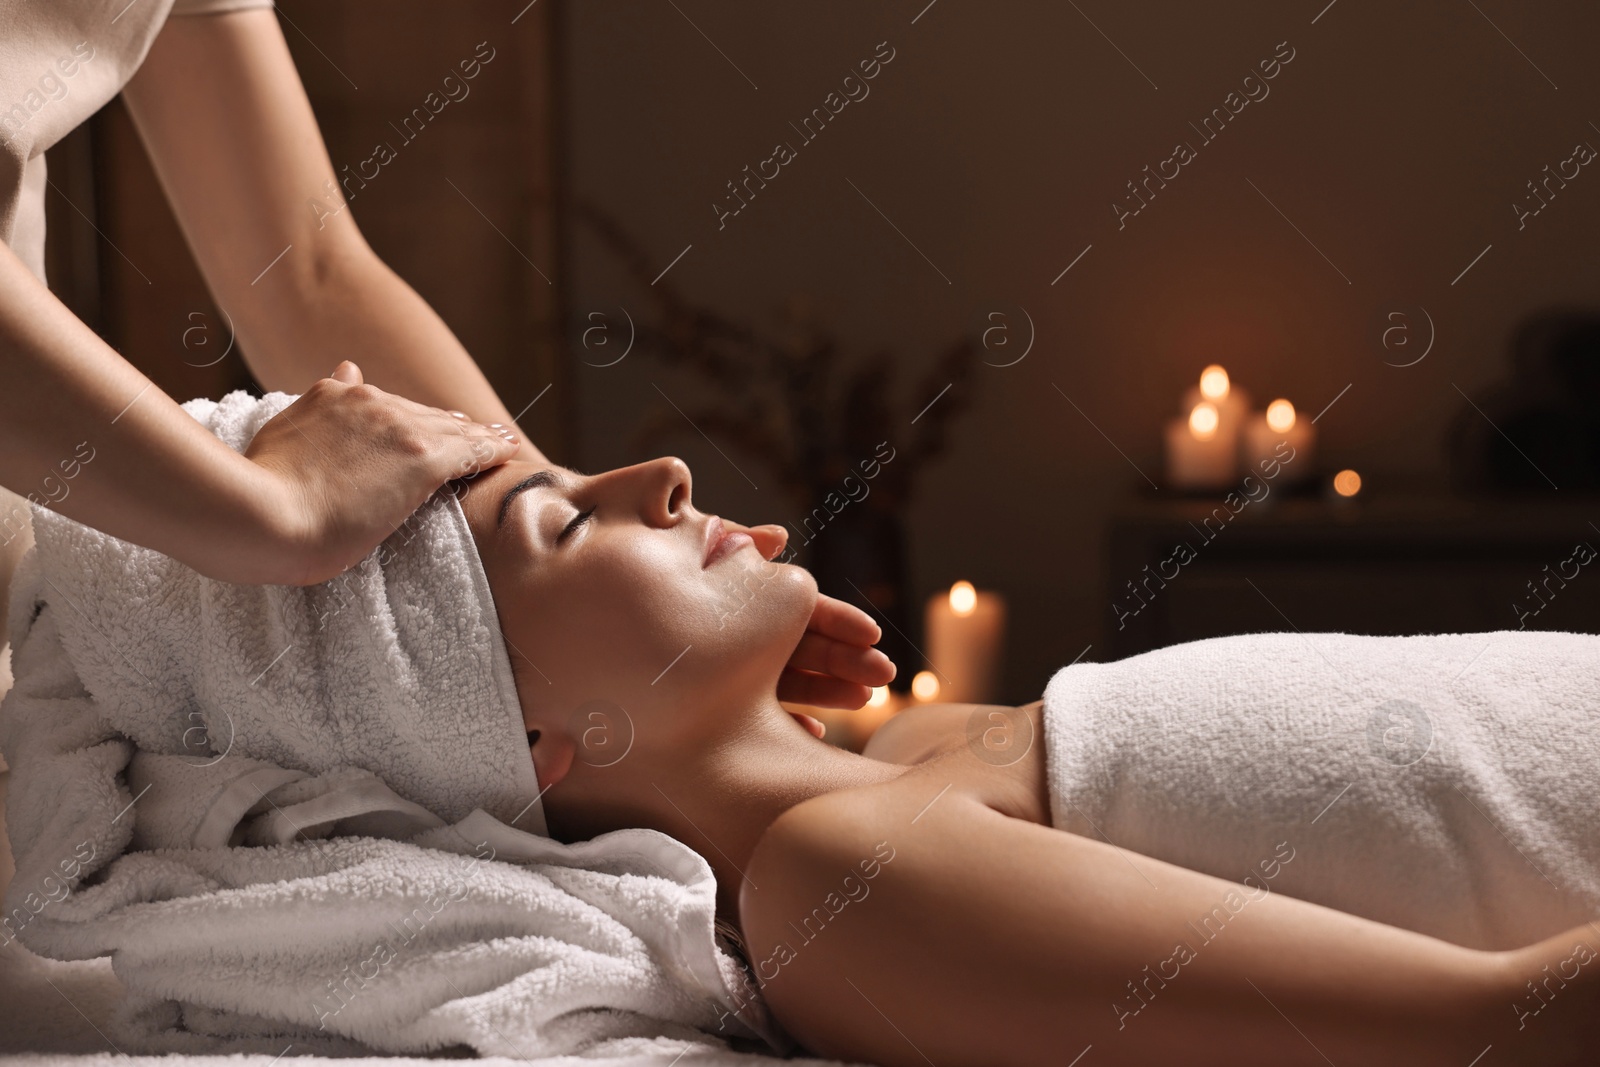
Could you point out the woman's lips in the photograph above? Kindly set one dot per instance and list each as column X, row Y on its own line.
column 722, row 542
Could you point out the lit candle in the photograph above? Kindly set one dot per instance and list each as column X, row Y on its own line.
column 1198, row 455
column 964, row 629
column 1231, row 401
column 1279, row 444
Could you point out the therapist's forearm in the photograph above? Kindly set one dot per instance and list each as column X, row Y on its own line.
column 355, row 307
column 85, row 433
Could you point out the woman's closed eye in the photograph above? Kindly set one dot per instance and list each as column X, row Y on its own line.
column 577, row 521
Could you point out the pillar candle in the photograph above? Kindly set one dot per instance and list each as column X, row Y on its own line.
column 1266, row 433
column 1198, row 455
column 964, row 629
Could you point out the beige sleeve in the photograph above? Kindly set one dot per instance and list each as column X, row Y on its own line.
column 214, row 7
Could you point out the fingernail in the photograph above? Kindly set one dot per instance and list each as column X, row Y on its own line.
column 497, row 425
column 459, row 414
column 513, row 438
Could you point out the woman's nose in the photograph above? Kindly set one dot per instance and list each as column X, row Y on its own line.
column 667, row 490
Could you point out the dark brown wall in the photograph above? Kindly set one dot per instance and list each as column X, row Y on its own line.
column 1396, row 141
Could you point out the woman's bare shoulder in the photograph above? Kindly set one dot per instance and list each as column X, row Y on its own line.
column 817, row 904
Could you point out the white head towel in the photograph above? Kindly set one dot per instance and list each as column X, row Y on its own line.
column 381, row 701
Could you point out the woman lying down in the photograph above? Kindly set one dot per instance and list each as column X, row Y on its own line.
column 1304, row 848
column 1287, row 848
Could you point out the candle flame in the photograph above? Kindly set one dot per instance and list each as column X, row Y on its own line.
column 879, row 697
column 925, row 686
column 1280, row 416
column 1347, row 482
column 1203, row 420
column 963, row 598
column 1214, row 382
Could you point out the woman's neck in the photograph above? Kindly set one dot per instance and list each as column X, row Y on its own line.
column 720, row 798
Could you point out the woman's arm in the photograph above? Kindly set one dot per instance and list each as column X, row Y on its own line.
column 227, row 124
column 981, row 939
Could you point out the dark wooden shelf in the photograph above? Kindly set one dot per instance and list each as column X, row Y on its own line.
column 1384, row 565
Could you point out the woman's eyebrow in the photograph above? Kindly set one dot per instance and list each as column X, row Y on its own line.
column 537, row 480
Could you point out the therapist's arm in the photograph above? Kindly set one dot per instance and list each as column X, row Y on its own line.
column 230, row 131
column 85, row 433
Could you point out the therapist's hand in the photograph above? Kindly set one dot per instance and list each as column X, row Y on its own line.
column 834, row 665
column 347, row 463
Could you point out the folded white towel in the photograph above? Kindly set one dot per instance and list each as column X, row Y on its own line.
column 162, row 725
column 1442, row 783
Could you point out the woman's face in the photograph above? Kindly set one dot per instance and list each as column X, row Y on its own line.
column 623, row 635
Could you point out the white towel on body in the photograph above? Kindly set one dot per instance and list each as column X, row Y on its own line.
column 301, row 814
column 1448, row 784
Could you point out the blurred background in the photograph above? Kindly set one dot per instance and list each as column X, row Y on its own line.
column 932, row 284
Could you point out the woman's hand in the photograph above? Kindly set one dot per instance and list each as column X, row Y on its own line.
column 347, row 463
column 834, row 665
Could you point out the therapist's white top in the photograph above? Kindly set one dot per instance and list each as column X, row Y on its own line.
column 60, row 62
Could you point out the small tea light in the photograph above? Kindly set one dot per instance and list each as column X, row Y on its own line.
column 1266, row 435
column 1347, row 483
column 925, row 686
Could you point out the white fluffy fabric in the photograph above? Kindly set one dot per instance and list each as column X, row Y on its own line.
column 301, row 814
column 1442, row 783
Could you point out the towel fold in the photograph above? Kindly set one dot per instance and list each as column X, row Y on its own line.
column 1441, row 783
column 304, row 814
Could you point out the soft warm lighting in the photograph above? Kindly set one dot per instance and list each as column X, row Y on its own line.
column 879, row 697
column 925, row 686
column 1214, row 382
column 963, row 598
column 1203, row 420
column 1347, row 482
column 1280, row 416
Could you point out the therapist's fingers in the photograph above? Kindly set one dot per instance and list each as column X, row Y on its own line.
column 814, row 726
column 843, row 622
column 346, row 464
column 821, row 691
column 839, row 659
column 475, row 459
column 472, row 449
column 348, row 372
